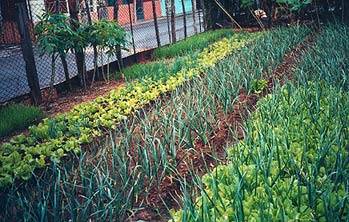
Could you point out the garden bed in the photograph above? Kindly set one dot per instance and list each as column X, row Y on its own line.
column 230, row 129
column 292, row 163
column 118, row 177
column 65, row 133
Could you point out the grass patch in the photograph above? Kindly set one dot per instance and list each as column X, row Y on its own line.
column 191, row 44
column 148, row 69
column 157, row 69
column 171, row 59
column 16, row 117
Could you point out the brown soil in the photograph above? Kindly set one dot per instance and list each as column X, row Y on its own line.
column 54, row 103
column 64, row 103
column 201, row 158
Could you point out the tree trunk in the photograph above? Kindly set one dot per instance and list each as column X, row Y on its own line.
column 95, row 52
column 53, row 72
column 131, row 27
column 62, row 56
column 173, row 21
column 28, row 54
column 156, row 23
column 184, row 19
column 79, row 56
column 193, row 5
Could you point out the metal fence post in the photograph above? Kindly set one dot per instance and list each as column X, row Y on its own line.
column 193, row 5
column 79, row 55
column 173, row 21
column 28, row 53
column 156, row 23
column 200, row 23
column 131, row 26
column 118, row 48
column 184, row 19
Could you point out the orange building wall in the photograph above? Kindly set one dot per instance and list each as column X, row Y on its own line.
column 148, row 9
column 10, row 33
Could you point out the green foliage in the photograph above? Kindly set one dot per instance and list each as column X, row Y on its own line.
column 293, row 5
column 54, row 33
column 247, row 3
column 16, row 117
column 64, row 134
column 148, row 69
column 185, row 51
column 191, row 44
column 107, row 35
column 291, row 166
column 158, row 69
column 259, row 85
column 81, row 38
column 106, row 183
column 329, row 59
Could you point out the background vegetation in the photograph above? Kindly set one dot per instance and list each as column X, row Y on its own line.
column 17, row 117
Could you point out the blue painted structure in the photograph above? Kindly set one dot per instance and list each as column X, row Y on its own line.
column 178, row 6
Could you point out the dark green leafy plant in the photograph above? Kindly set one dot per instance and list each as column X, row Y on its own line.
column 295, row 5
column 107, row 36
column 259, row 85
column 292, row 5
column 292, row 165
column 55, row 37
column 16, row 117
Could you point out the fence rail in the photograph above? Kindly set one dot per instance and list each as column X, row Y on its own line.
column 137, row 18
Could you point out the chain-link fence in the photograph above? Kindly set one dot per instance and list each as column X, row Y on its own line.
column 136, row 16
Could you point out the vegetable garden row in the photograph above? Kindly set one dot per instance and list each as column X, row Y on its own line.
column 117, row 156
column 293, row 163
column 54, row 137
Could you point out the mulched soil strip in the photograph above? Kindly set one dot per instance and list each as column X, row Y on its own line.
column 202, row 157
column 62, row 104
column 55, row 104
